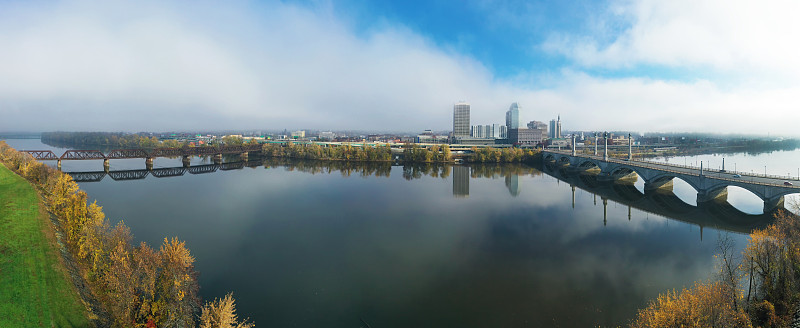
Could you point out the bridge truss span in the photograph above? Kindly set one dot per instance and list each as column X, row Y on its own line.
column 127, row 153
column 43, row 155
column 82, row 155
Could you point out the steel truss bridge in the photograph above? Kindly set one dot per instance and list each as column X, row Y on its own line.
column 142, row 153
column 147, row 154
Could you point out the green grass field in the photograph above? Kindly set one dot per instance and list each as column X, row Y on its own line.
column 34, row 289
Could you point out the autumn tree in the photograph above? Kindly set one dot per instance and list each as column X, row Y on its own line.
column 221, row 313
column 176, row 285
column 704, row 305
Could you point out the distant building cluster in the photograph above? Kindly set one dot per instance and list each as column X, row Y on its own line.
column 534, row 135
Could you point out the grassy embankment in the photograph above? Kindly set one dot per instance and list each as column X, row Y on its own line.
column 35, row 290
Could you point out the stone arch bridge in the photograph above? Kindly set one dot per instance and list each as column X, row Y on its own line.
column 710, row 184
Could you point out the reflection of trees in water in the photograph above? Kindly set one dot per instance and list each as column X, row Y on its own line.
column 502, row 170
column 346, row 168
column 410, row 171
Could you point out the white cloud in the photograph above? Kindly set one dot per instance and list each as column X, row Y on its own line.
column 725, row 35
column 78, row 65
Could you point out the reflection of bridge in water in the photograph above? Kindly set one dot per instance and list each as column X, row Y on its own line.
column 166, row 172
column 718, row 214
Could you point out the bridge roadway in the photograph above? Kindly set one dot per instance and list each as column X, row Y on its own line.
column 710, row 184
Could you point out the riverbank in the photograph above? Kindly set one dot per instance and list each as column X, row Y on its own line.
column 36, row 290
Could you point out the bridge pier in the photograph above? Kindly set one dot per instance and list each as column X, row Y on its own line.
column 244, row 156
column 148, row 162
column 59, row 164
column 106, row 164
column 217, row 159
column 707, row 196
column 660, row 184
column 773, row 204
column 186, row 160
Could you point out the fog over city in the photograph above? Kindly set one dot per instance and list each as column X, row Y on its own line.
column 712, row 66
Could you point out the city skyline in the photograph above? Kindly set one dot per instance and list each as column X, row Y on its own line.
column 682, row 66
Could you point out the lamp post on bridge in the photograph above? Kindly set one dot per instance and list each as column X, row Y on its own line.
column 573, row 145
column 595, row 144
column 630, row 147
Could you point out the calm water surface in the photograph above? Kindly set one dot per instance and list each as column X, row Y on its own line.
column 302, row 245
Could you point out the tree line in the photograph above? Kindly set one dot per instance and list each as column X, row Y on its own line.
column 505, row 155
column 345, row 152
column 109, row 139
column 138, row 286
column 760, row 288
column 412, row 153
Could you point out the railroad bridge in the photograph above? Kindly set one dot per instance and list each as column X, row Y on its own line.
column 147, row 154
column 710, row 184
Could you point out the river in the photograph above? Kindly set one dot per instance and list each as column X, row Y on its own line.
column 302, row 244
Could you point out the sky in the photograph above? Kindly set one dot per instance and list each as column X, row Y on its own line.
column 671, row 66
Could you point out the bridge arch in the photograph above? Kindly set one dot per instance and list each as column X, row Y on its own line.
column 745, row 200
column 588, row 164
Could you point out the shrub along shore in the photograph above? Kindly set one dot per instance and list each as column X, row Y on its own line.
column 131, row 286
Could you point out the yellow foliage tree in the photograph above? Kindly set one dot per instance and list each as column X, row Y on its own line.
column 221, row 313
column 705, row 305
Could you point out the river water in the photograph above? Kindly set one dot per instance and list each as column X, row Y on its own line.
column 308, row 244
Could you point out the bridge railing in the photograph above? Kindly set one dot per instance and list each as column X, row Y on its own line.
column 749, row 174
column 707, row 173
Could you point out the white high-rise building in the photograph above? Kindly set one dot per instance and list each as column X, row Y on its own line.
column 461, row 127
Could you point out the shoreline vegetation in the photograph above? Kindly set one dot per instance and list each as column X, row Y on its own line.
column 132, row 286
column 758, row 288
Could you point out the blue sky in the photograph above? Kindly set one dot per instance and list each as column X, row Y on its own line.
column 639, row 65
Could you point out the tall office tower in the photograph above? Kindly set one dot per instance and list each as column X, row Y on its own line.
column 558, row 126
column 503, row 132
column 512, row 117
column 553, row 129
column 461, row 120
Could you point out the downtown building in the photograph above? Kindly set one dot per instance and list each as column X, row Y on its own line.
column 555, row 128
column 461, row 127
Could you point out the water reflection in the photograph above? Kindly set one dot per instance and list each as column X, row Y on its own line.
column 461, row 181
column 663, row 202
